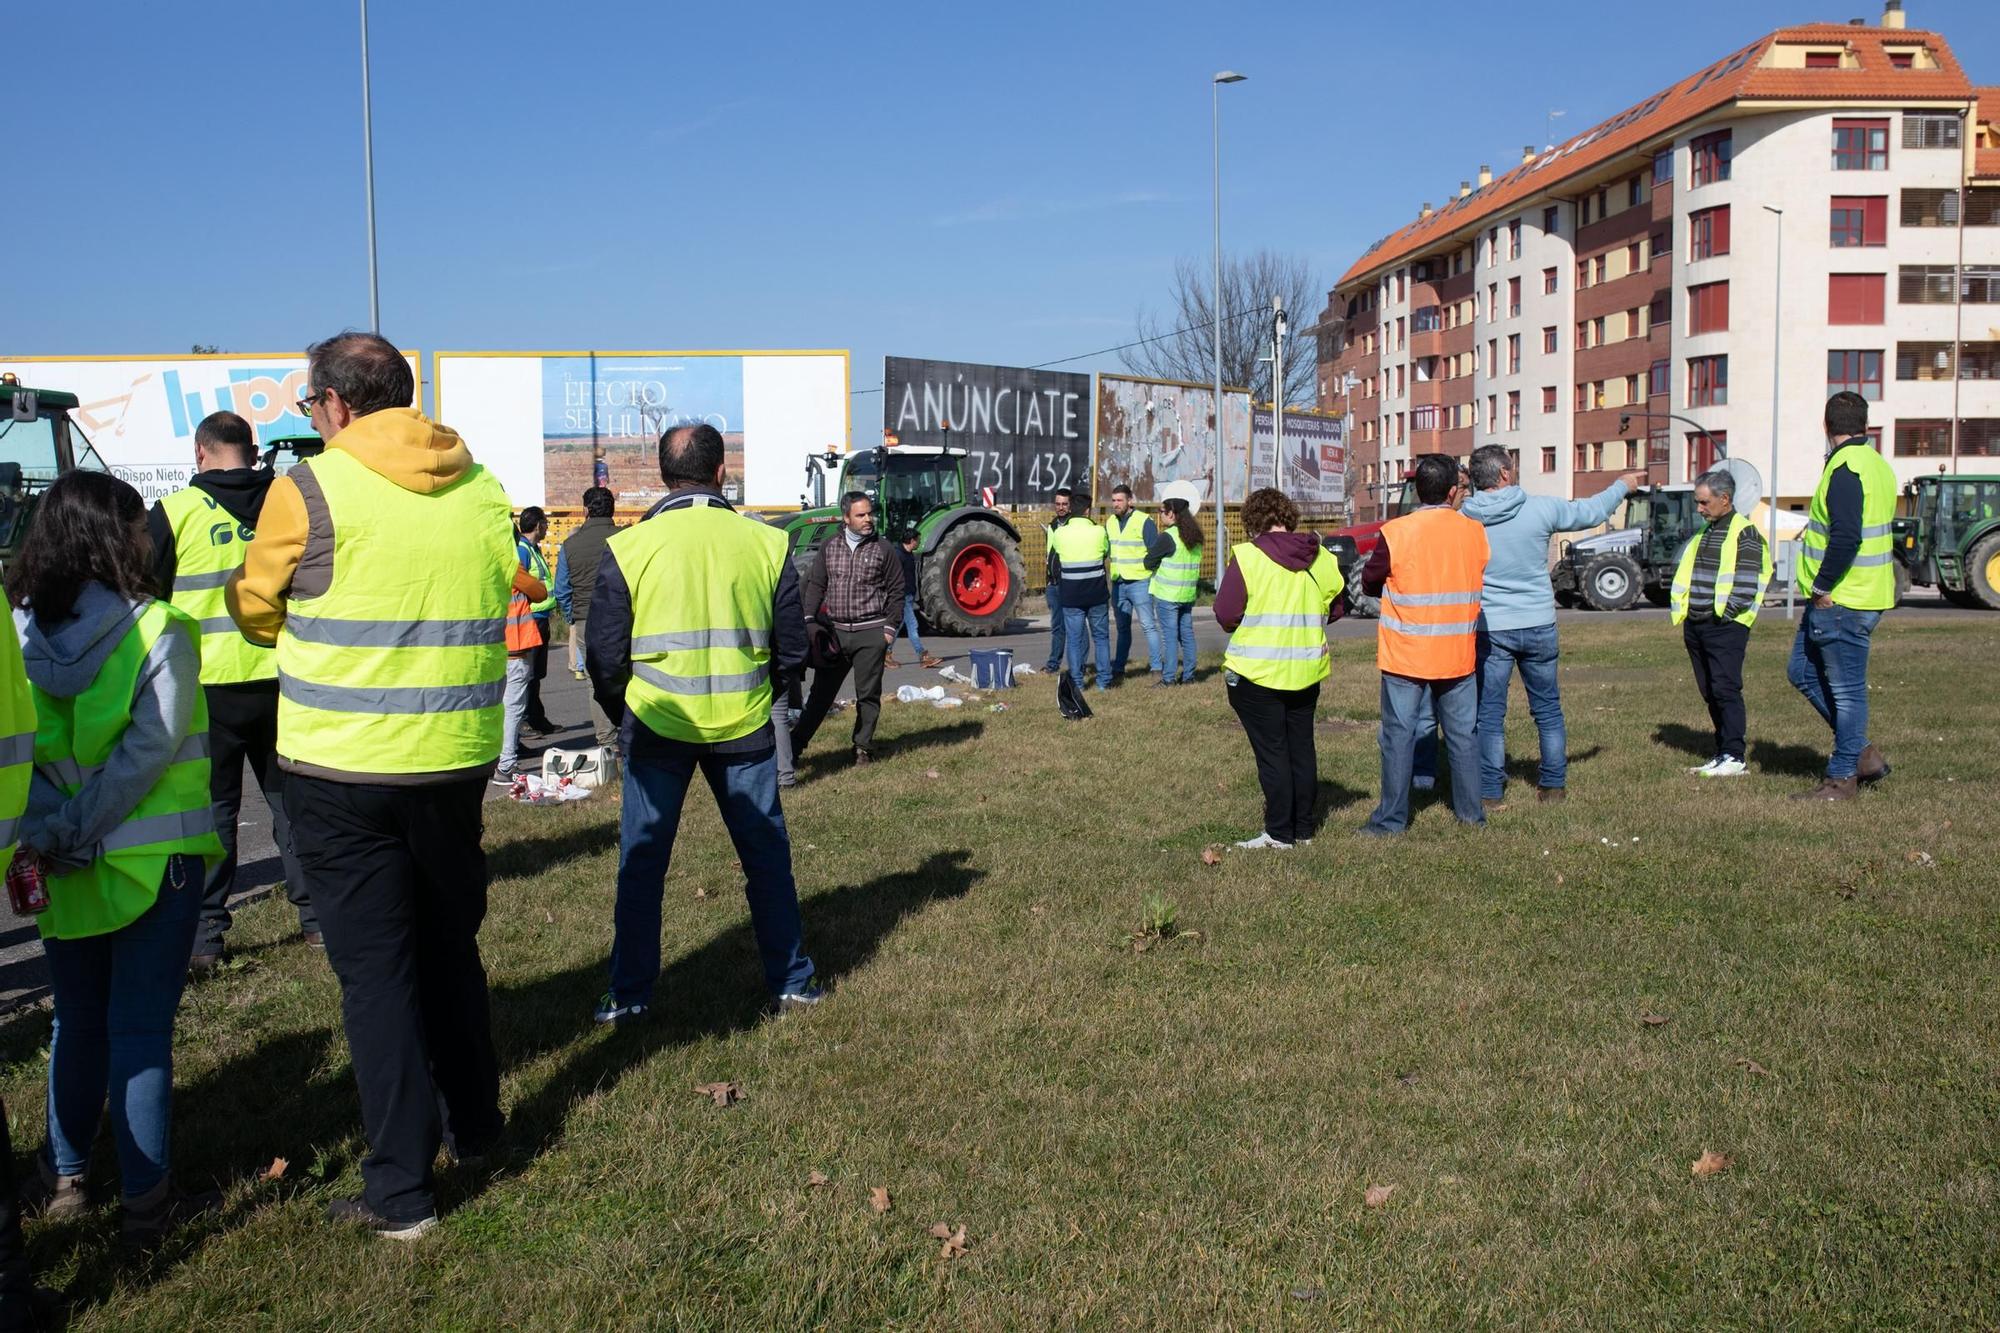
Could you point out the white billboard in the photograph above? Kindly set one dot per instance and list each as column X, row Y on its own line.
column 140, row 411
column 553, row 424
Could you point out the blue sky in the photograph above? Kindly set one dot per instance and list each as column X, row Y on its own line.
column 1005, row 183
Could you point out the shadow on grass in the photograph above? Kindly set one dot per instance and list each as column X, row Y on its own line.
column 930, row 738
column 1530, row 770
column 1797, row 761
column 525, row 858
column 713, row 991
column 1335, row 797
column 1700, row 744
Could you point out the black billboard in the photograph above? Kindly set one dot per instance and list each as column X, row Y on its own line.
column 1024, row 432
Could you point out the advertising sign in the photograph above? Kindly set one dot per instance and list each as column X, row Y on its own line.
column 554, row 424
column 1314, row 467
column 1152, row 432
column 1025, row 432
column 140, row 412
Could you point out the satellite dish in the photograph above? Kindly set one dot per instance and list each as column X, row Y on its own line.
column 1749, row 484
column 1185, row 490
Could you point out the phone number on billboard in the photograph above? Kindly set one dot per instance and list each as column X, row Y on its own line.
column 1019, row 476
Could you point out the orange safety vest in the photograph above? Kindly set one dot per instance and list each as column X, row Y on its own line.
column 1430, row 603
column 523, row 634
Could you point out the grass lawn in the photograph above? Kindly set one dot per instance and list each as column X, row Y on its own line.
column 1186, row 1136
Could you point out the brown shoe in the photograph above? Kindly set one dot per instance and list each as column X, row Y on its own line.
column 1492, row 804
column 202, row 964
column 931, row 660
column 1830, row 789
column 52, row 1196
column 1873, row 765
column 1547, row 795
column 889, row 660
column 863, row 757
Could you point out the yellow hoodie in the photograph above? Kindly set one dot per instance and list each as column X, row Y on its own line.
column 399, row 443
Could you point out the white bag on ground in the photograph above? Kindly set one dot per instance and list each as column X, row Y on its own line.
column 588, row 769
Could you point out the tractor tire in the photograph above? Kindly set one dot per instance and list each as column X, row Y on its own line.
column 1360, row 603
column 1658, row 594
column 972, row 582
column 1902, row 582
column 1982, row 571
column 1611, row 582
column 1963, row 598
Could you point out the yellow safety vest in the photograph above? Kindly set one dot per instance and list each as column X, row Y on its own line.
column 400, row 666
column 702, row 579
column 538, row 565
column 1179, row 574
column 1281, row 641
column 17, row 741
column 1080, row 548
column 73, row 739
column 1715, row 586
column 1870, row 582
column 1128, row 547
column 209, row 545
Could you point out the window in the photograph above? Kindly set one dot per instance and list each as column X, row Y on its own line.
column 1548, row 398
column 1980, row 437
column 1709, row 307
column 1982, row 284
column 1549, row 220
column 1657, row 379
column 1708, row 381
column 1583, row 273
column 1514, row 240
column 1549, row 455
column 1631, row 388
column 1924, row 284
column 1860, row 145
column 1402, row 382
column 1930, row 131
column 1930, row 208
column 1980, row 361
column 1582, row 335
column 1854, row 298
column 1926, row 361
column 1663, row 167
column 1822, row 60
column 1402, row 331
column 1582, row 397
column 1708, row 158
column 1400, row 289
column 1582, row 458
column 1922, row 439
column 1635, row 323
column 1635, row 193
column 1597, row 457
column 1708, row 233
column 1902, row 60
column 1600, row 268
column 1703, row 449
column 1493, row 356
column 1549, row 339
column 1855, row 372
column 1548, row 282
column 1514, row 410
column 1493, row 411
column 1513, row 354
column 1982, row 208
column 1424, row 418
column 1427, row 320
column 1597, row 332
column 1859, row 220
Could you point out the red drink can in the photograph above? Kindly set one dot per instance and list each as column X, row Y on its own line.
column 27, row 887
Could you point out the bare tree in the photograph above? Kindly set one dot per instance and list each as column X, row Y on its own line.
column 1180, row 343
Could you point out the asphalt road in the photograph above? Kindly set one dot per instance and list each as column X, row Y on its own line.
column 24, row 978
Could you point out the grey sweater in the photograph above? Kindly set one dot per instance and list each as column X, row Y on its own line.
column 63, row 660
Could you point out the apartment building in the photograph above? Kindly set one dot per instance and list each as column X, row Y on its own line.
column 1616, row 301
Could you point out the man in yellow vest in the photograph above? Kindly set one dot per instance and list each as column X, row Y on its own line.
column 382, row 570
column 1132, row 536
column 1077, row 551
column 533, row 528
column 1428, row 568
column 1847, row 567
column 1718, row 585
column 695, row 625
column 199, row 536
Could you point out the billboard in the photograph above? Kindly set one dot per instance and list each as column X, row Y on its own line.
column 1314, row 467
column 140, row 411
column 553, row 424
column 1025, row 432
column 1151, row 432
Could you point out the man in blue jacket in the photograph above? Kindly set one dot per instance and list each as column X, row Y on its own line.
column 1517, row 611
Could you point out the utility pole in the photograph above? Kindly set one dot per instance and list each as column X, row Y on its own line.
column 1215, row 303
column 1277, row 390
column 368, row 164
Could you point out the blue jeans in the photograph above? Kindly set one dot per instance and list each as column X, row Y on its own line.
column 746, row 791
column 1829, row 667
column 1457, row 704
column 115, row 999
column 1425, row 758
column 1134, row 599
column 910, row 623
column 1056, row 626
column 1176, row 640
column 1098, row 619
column 1534, row 652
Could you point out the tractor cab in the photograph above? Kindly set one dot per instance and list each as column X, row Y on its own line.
column 38, row 443
column 1948, row 537
column 1663, row 518
column 288, row 451
column 906, row 484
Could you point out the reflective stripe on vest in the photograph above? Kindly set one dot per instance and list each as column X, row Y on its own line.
column 74, row 739
column 1178, row 577
column 703, row 579
column 209, row 546
column 1128, row 547
column 1715, row 587
column 400, row 665
column 523, row 632
column 538, row 565
column 1281, row 641
column 17, row 742
column 1870, row 582
column 1080, row 548
column 1430, row 603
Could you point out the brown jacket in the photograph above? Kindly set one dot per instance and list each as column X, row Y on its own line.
column 860, row 586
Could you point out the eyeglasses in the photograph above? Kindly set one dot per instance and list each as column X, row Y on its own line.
column 308, row 403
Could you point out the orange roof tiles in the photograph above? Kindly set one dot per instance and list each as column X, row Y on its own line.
column 1739, row 76
column 1986, row 161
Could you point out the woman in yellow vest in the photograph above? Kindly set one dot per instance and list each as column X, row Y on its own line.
column 1175, row 561
column 118, row 816
column 1275, row 600
column 17, row 761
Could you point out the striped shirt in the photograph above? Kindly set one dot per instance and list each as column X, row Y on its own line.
column 1708, row 563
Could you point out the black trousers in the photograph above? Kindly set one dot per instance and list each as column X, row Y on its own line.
column 865, row 651
column 17, row 1284
column 538, row 668
column 243, row 726
column 1716, row 649
column 1279, row 724
column 400, row 880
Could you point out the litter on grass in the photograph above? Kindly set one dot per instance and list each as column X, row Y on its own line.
column 533, row 789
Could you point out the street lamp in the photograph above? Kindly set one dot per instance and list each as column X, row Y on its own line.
column 1625, row 420
column 368, row 163
column 1777, row 345
column 1215, row 167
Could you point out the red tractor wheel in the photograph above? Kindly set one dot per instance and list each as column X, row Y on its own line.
column 972, row 581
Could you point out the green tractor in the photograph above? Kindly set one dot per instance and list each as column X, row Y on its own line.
column 1948, row 537
column 970, row 576
column 38, row 443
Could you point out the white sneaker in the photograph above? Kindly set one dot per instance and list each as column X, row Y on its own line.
column 1701, row 770
column 1263, row 842
column 1725, row 767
